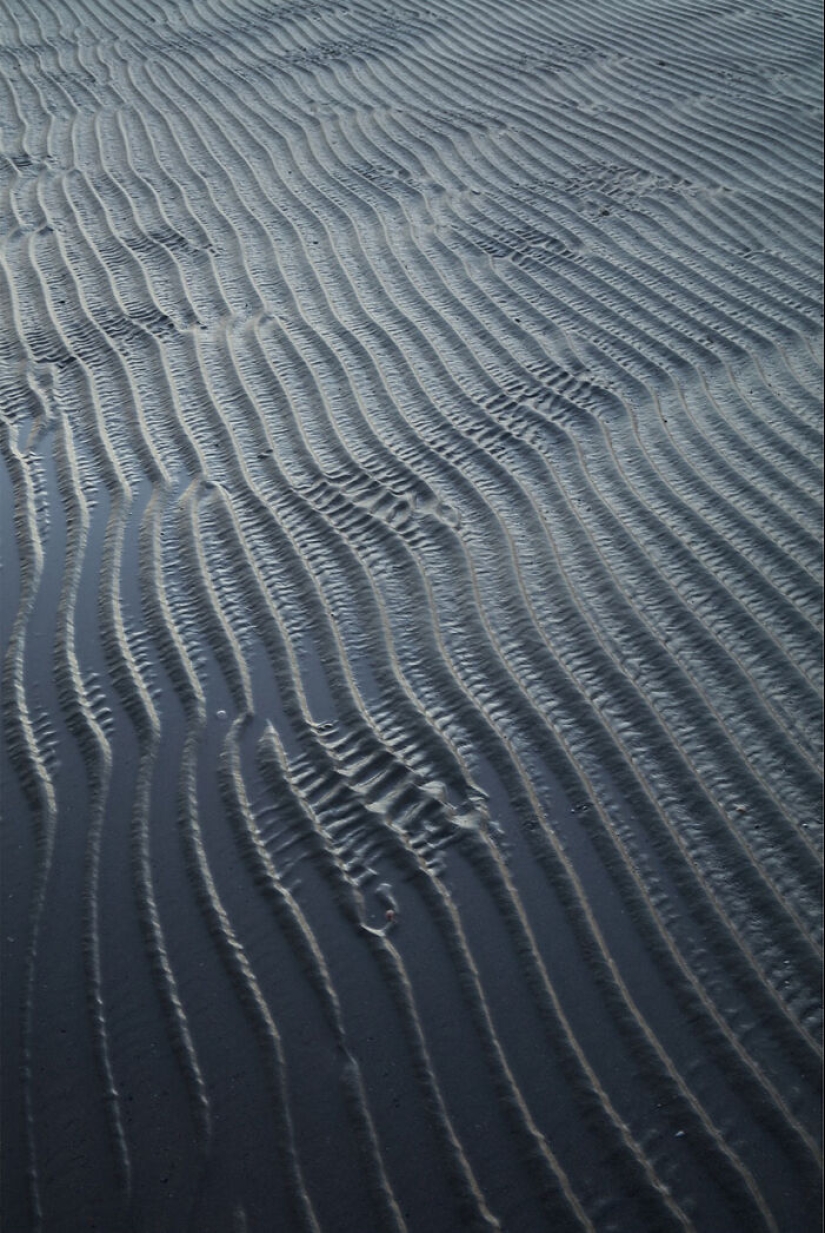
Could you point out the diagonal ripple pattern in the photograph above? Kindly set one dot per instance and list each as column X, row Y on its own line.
column 411, row 510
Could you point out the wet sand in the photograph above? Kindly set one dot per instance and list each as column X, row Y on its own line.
column 411, row 610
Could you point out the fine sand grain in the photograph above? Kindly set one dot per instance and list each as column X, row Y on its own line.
column 411, row 598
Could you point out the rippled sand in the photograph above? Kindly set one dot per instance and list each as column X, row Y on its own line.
column 411, row 536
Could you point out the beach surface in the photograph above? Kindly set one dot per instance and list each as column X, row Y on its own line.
column 411, row 505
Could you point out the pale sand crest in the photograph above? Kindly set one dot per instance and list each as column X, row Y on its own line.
column 412, row 681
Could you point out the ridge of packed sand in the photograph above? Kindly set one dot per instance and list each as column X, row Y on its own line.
column 411, row 599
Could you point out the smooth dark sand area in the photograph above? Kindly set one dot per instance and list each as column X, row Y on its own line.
column 411, row 505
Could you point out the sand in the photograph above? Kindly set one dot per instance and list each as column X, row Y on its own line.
column 411, row 599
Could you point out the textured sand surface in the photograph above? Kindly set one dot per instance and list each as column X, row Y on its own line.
column 411, row 598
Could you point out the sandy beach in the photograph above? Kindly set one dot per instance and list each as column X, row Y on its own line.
column 411, row 614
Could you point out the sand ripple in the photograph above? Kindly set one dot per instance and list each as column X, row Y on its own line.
column 411, row 424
